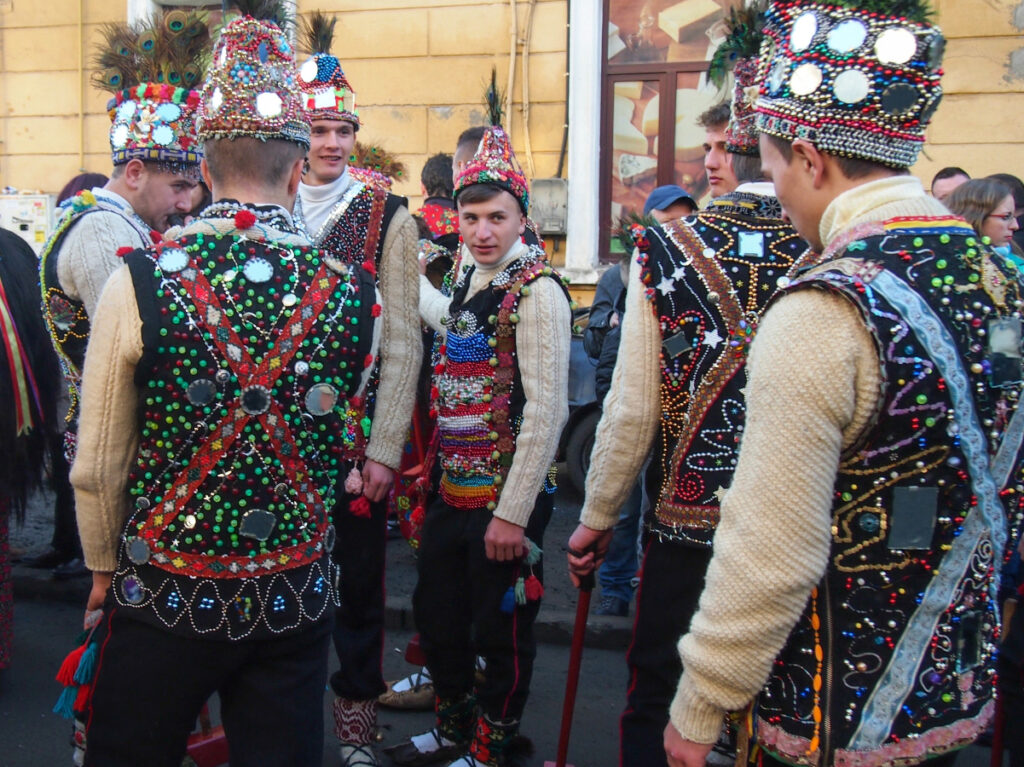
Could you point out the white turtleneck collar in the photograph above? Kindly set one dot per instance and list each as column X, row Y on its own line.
column 318, row 201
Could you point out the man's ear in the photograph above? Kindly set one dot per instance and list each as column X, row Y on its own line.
column 296, row 175
column 204, row 171
column 522, row 223
column 134, row 173
column 810, row 161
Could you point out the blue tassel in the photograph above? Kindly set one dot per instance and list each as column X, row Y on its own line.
column 508, row 602
column 66, row 702
column 87, row 665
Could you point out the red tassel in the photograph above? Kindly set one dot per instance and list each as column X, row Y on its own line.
column 66, row 674
column 245, row 219
column 122, row 252
column 375, row 311
column 534, row 588
column 368, row 362
column 417, row 515
column 360, row 507
column 156, row 236
column 83, row 697
column 369, row 266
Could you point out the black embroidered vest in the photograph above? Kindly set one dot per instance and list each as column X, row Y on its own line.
column 480, row 399
column 708, row 278
column 255, row 352
column 893, row 657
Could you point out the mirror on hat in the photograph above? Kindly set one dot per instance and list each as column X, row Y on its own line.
column 126, row 111
column 805, row 79
column 935, row 52
column 851, row 86
column 268, row 104
column 308, row 71
column 216, row 100
column 168, row 112
column 777, row 75
column 163, row 135
column 119, row 136
column 896, row 45
column 847, row 36
column 321, row 399
column 803, row 32
column 899, row 98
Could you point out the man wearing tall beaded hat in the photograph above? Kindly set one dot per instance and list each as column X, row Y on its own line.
column 697, row 291
column 219, row 417
column 501, row 400
column 151, row 70
column 850, row 594
column 359, row 222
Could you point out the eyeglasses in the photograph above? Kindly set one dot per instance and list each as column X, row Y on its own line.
column 1007, row 217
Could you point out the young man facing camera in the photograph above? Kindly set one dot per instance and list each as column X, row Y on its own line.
column 502, row 401
column 717, row 163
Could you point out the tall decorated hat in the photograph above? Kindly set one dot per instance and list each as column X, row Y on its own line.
column 252, row 87
column 857, row 78
column 739, row 53
column 152, row 69
column 326, row 92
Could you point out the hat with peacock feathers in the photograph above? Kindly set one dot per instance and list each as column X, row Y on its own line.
column 152, row 69
column 738, row 53
column 326, row 92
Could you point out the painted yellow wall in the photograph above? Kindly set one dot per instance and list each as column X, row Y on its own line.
column 419, row 68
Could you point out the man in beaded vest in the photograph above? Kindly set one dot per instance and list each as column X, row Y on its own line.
column 361, row 223
column 501, row 401
column 218, row 422
column 851, row 587
column 156, row 166
column 697, row 293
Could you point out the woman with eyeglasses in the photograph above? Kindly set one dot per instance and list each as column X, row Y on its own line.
column 987, row 205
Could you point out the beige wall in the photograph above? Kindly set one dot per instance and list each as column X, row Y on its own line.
column 419, row 68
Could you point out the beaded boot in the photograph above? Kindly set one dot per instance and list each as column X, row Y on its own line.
column 456, row 718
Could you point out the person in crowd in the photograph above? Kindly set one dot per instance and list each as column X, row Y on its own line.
column 696, row 294
column 667, row 202
column 1017, row 188
column 30, row 385
column 946, row 180
column 720, row 176
column 357, row 223
column 850, row 591
column 205, row 513
column 502, row 398
column 988, row 206
column 438, row 209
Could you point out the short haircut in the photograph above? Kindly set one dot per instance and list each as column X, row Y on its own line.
column 471, row 136
column 950, row 171
column 1016, row 187
column 715, row 117
column 247, row 159
column 746, row 167
column 975, row 199
column 437, row 175
column 851, row 167
column 475, row 193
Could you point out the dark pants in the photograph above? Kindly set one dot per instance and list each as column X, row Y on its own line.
column 65, row 527
column 673, row 578
column 1011, row 692
column 150, row 685
column 457, row 608
column 359, row 622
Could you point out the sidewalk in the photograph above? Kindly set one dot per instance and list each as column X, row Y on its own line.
column 554, row 623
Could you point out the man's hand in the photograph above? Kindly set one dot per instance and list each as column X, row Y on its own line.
column 503, row 541
column 377, row 480
column 421, row 264
column 100, row 586
column 684, row 753
column 594, row 543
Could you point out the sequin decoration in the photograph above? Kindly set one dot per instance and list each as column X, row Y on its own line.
column 258, row 270
column 172, row 260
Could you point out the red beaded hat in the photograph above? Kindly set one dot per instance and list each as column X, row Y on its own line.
column 252, row 89
column 857, row 83
column 326, row 92
column 495, row 164
column 151, row 70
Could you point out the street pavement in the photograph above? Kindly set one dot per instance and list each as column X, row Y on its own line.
column 48, row 614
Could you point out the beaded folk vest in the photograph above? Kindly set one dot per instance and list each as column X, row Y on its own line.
column 708, row 279
column 479, row 393
column 65, row 317
column 892, row 659
column 255, row 353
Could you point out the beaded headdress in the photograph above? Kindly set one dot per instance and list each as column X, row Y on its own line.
column 852, row 77
column 739, row 53
column 252, row 88
column 495, row 164
column 151, row 70
column 326, row 92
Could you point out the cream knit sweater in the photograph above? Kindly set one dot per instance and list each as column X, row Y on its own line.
column 814, row 383
column 543, row 335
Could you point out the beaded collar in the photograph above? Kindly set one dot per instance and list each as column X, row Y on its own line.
column 269, row 216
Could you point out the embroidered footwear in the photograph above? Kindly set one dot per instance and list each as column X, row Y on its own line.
column 428, row 748
column 497, row 743
column 355, row 725
column 357, row 756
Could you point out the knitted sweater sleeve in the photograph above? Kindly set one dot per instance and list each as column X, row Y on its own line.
column 543, row 335
column 88, row 255
column 629, row 422
column 107, row 430
column 400, row 344
column 433, row 305
column 813, row 381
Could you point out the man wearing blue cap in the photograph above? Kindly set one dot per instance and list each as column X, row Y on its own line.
column 678, row 392
column 668, row 202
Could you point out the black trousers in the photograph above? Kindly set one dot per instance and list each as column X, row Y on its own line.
column 457, row 608
column 673, row 578
column 150, row 685
column 65, row 527
column 359, row 621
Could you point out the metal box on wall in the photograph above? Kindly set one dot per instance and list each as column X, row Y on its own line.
column 30, row 216
column 550, row 204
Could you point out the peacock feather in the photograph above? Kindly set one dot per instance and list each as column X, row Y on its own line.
column 493, row 98
column 920, row 11
column 317, row 32
column 745, row 25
